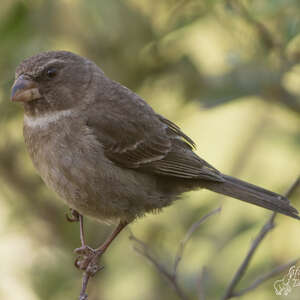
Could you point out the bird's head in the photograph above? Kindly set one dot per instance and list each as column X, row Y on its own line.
column 52, row 81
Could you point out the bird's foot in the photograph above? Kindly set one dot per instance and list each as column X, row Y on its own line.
column 73, row 215
column 88, row 259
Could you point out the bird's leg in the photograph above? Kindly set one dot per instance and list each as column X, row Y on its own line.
column 88, row 257
column 81, row 231
column 109, row 240
column 85, row 251
column 77, row 217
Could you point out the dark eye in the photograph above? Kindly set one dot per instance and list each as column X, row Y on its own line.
column 51, row 72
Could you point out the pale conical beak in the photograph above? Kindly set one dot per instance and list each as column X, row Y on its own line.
column 24, row 90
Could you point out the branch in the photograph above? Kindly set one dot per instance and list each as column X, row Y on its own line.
column 242, row 269
column 265, row 277
column 269, row 225
column 144, row 250
column 293, row 187
column 188, row 236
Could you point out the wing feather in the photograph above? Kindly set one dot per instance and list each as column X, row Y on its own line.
column 134, row 136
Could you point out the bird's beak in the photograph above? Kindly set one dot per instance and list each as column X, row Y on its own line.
column 24, row 90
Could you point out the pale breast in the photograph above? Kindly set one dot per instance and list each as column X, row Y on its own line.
column 72, row 162
column 57, row 149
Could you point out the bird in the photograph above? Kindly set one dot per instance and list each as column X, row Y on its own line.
column 106, row 152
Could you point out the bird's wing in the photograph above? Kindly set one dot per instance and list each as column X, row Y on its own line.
column 134, row 136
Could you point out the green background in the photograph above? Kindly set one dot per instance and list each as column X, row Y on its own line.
column 228, row 73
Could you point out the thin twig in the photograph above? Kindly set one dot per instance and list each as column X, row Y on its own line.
column 81, row 230
column 265, row 277
column 293, row 187
column 269, row 225
column 188, row 235
column 243, row 267
column 144, row 251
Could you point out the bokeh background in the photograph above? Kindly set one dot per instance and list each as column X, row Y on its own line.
column 228, row 73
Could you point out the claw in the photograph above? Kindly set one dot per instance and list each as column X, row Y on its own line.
column 88, row 260
column 82, row 263
column 93, row 268
column 77, row 263
column 74, row 215
column 85, row 250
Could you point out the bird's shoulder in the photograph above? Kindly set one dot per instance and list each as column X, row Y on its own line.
column 131, row 132
column 134, row 136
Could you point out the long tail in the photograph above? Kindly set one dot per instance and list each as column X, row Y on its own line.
column 248, row 192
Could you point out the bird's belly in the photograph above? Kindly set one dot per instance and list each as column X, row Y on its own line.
column 80, row 174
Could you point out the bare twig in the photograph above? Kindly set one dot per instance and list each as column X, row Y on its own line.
column 144, row 250
column 243, row 267
column 269, row 225
column 265, row 277
column 187, row 237
column 293, row 187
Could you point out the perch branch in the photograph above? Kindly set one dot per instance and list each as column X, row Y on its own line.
column 144, row 250
column 265, row 277
column 188, row 236
column 269, row 225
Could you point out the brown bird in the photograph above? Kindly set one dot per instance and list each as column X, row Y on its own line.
column 106, row 152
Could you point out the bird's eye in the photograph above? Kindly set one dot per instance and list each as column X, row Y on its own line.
column 51, row 72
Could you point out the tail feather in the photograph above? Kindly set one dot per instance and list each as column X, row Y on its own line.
column 248, row 192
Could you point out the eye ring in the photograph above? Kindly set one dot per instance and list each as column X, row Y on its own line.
column 51, row 73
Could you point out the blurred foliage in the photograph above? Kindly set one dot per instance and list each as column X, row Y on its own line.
column 226, row 71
